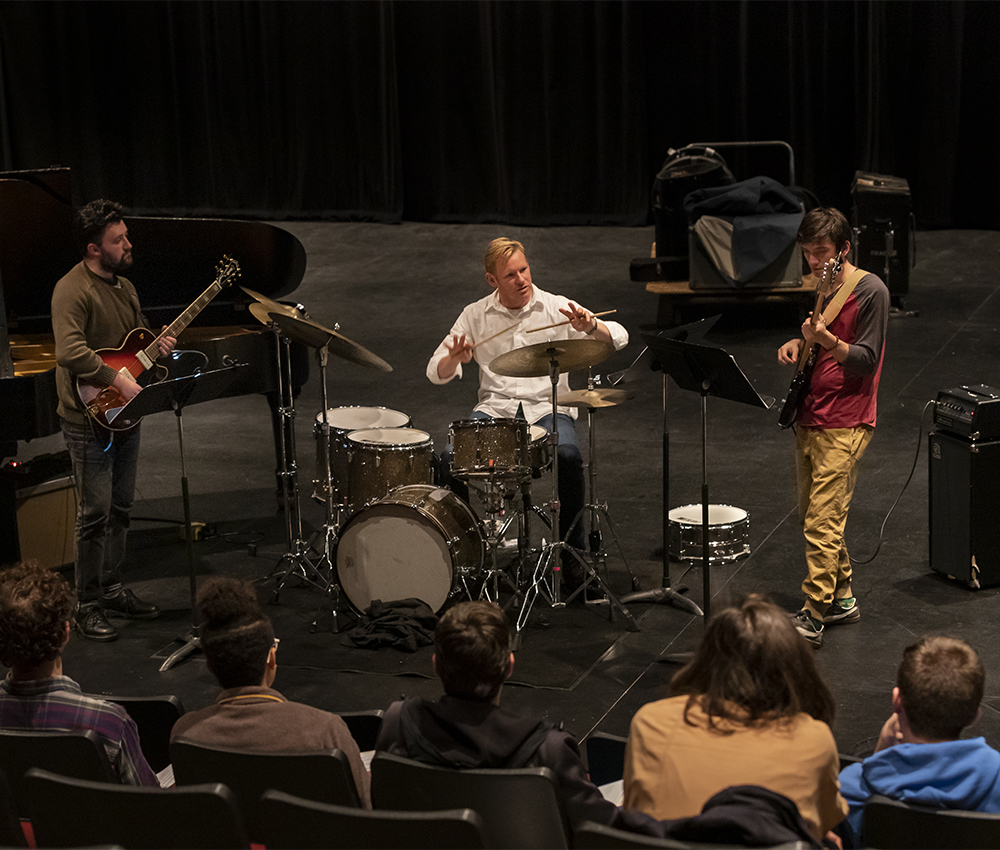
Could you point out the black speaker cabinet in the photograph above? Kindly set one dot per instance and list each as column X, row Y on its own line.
column 883, row 228
column 965, row 509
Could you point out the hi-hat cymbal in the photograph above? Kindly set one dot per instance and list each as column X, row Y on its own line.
column 315, row 335
column 532, row 361
column 265, row 306
column 599, row 397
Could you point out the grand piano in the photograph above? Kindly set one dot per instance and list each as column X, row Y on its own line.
column 175, row 262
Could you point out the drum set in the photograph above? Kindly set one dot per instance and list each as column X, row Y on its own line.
column 390, row 532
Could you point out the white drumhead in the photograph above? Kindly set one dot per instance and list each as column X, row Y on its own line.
column 354, row 418
column 393, row 552
column 717, row 515
column 390, row 437
column 536, row 433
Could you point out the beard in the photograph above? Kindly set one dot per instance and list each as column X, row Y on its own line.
column 116, row 266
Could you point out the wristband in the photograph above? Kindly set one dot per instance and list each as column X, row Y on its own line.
column 834, row 345
column 593, row 329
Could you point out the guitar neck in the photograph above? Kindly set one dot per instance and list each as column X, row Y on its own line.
column 177, row 326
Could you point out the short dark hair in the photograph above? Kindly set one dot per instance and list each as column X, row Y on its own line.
column 753, row 668
column 35, row 605
column 941, row 682
column 473, row 650
column 825, row 224
column 236, row 635
column 91, row 220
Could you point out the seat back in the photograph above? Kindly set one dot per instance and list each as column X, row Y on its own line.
column 292, row 823
column 890, row 823
column 597, row 836
column 78, row 754
column 154, row 716
column 605, row 757
column 519, row 806
column 364, row 726
column 323, row 776
column 11, row 834
column 68, row 812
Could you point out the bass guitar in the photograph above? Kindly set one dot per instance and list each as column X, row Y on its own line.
column 807, row 359
column 137, row 355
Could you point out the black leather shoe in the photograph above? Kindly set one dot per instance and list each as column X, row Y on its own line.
column 92, row 624
column 127, row 604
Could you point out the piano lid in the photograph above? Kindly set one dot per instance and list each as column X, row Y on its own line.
column 174, row 258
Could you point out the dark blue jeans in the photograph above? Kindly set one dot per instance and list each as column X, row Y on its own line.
column 104, row 466
column 571, row 484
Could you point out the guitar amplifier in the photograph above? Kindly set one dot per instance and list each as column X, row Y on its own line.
column 884, row 229
column 972, row 412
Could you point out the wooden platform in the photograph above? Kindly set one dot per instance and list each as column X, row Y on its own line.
column 676, row 294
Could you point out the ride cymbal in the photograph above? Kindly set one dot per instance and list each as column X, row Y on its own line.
column 532, row 361
column 316, row 335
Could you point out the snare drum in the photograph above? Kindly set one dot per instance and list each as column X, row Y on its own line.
column 343, row 420
column 415, row 542
column 728, row 533
column 381, row 459
column 490, row 447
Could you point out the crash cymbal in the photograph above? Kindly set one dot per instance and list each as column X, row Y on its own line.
column 599, row 397
column 532, row 361
column 315, row 335
column 265, row 306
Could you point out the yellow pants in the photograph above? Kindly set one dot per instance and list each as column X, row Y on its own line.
column 826, row 463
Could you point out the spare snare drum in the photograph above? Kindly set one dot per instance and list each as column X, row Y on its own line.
column 381, row 459
column 343, row 420
column 416, row 542
column 728, row 533
column 490, row 447
column 538, row 449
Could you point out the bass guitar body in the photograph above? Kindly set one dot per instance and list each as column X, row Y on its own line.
column 104, row 404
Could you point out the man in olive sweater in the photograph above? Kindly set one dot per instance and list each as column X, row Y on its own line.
column 94, row 308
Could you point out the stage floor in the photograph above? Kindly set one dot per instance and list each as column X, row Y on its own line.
column 396, row 290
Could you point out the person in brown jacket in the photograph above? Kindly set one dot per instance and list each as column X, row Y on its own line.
column 241, row 650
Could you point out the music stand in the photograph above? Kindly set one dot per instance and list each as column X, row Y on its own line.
column 708, row 370
column 176, row 394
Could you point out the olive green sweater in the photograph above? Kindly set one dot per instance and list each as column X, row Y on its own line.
column 89, row 313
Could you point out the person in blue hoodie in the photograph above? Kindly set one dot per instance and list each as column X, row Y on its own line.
column 920, row 757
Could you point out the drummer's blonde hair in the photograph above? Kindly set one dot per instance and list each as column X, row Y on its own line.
column 499, row 249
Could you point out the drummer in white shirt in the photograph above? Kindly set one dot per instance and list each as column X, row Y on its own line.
column 515, row 298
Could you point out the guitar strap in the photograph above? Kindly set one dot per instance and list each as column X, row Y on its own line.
column 840, row 299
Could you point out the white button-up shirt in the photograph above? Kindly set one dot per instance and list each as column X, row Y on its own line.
column 499, row 395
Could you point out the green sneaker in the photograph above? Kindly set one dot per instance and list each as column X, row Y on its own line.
column 842, row 611
column 810, row 629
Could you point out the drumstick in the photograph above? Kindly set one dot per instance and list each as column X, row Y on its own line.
column 499, row 333
column 558, row 324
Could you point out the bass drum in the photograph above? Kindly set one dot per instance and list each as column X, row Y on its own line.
column 416, row 542
column 728, row 533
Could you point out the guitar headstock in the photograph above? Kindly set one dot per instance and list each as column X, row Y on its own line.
column 831, row 268
column 226, row 271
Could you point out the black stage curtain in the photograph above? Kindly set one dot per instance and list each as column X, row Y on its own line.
column 475, row 111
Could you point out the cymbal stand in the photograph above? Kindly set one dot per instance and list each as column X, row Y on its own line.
column 296, row 558
column 331, row 527
column 596, row 509
column 547, row 572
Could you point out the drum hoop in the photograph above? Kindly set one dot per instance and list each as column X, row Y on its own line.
column 329, row 410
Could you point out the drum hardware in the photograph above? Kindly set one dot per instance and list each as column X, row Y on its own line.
column 293, row 323
column 590, row 399
column 535, row 361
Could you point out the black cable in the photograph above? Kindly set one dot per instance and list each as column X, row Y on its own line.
column 916, row 457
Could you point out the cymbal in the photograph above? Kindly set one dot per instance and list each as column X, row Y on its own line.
column 315, row 335
column 265, row 306
column 532, row 361
column 600, row 397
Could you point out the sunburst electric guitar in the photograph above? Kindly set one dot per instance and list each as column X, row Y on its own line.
column 137, row 356
column 807, row 359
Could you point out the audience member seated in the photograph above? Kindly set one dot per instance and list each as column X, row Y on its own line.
column 35, row 609
column 919, row 757
column 467, row 728
column 241, row 652
column 749, row 709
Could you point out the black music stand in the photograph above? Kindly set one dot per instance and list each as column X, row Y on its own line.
column 708, row 370
column 176, row 394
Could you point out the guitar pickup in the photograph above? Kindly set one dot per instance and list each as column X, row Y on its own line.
column 143, row 359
